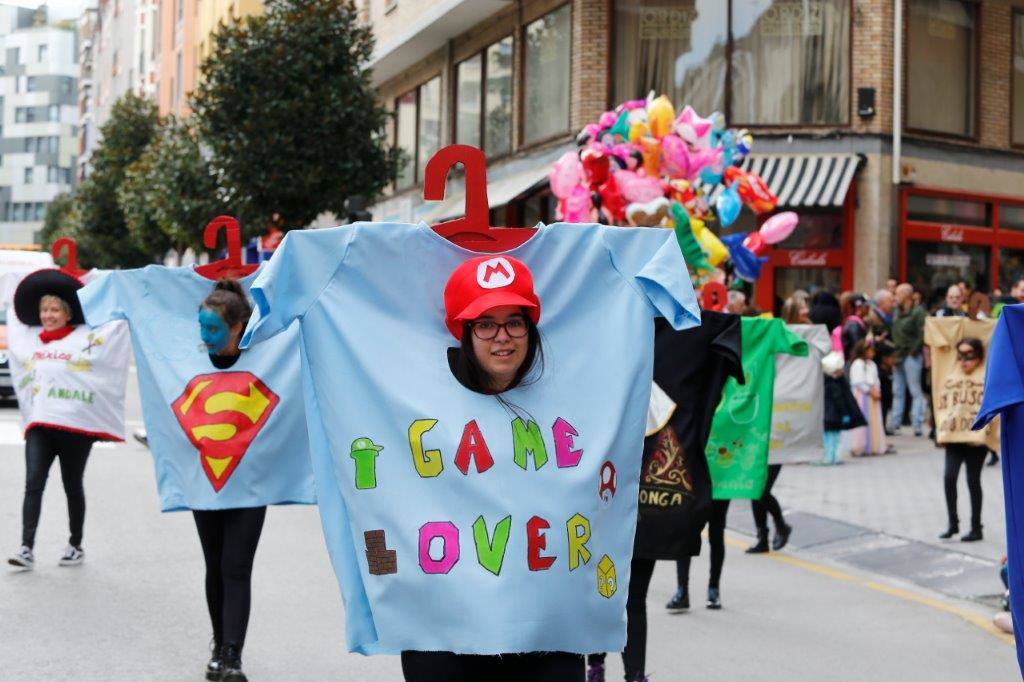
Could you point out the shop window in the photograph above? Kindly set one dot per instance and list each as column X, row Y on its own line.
column 818, row 231
column 948, row 211
column 429, row 138
column 547, row 51
column 498, row 99
column 483, row 103
column 811, row 280
column 538, row 208
column 405, row 138
column 1017, row 105
column 418, row 130
column 468, row 100
column 790, row 59
column 1011, row 268
column 1011, row 217
column 941, row 66
column 678, row 49
column 790, row 62
column 932, row 267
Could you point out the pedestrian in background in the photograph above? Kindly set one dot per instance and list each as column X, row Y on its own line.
column 953, row 304
column 879, row 321
column 870, row 438
column 908, row 340
column 841, row 411
column 970, row 354
column 854, row 328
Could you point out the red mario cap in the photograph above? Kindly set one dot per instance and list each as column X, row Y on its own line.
column 486, row 282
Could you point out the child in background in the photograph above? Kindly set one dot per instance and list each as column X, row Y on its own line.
column 867, row 389
column 841, row 410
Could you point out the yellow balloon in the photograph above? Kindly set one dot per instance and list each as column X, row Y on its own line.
column 660, row 115
column 709, row 241
column 637, row 131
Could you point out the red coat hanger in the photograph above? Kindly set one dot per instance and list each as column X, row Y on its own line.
column 232, row 265
column 70, row 248
column 474, row 230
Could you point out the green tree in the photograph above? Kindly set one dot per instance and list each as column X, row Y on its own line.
column 104, row 239
column 170, row 189
column 60, row 220
column 289, row 113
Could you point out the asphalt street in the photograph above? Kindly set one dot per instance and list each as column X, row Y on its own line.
column 135, row 609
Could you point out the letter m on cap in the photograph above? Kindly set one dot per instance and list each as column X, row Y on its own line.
column 494, row 273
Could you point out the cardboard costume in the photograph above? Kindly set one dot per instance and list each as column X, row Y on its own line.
column 457, row 521
column 956, row 396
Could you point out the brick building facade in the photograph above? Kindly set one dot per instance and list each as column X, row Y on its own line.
column 954, row 210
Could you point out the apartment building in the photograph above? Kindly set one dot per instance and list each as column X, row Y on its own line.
column 895, row 128
column 38, row 138
column 212, row 13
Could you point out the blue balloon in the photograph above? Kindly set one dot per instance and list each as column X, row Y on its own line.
column 745, row 264
column 709, row 176
column 728, row 205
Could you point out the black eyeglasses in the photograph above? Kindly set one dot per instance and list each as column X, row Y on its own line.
column 969, row 355
column 485, row 330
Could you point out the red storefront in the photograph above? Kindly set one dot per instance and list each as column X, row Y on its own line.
column 947, row 236
column 822, row 190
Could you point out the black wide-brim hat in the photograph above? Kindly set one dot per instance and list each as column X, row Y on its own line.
column 49, row 282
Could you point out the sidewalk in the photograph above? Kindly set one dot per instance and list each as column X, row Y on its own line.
column 884, row 514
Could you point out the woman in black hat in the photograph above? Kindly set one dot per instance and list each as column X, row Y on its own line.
column 48, row 299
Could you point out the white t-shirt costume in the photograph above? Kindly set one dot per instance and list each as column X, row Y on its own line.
column 798, row 399
column 76, row 383
column 484, row 528
column 220, row 438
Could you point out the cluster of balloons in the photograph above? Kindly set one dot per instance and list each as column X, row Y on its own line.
column 642, row 165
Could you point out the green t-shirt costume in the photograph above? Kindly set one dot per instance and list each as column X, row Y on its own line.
column 737, row 451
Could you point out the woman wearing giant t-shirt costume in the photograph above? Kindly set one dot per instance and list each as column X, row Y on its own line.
column 229, row 536
column 48, row 298
column 499, row 349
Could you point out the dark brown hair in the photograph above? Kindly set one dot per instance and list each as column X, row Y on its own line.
column 466, row 367
column 976, row 345
column 229, row 301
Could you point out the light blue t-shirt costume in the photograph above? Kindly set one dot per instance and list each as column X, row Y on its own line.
column 1004, row 396
column 220, row 438
column 484, row 528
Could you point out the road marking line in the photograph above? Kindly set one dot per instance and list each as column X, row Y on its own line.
column 968, row 615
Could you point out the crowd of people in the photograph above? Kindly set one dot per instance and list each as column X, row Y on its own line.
column 875, row 386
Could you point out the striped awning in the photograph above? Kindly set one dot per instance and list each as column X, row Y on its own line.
column 802, row 180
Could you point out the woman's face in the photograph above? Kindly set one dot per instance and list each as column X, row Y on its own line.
column 215, row 333
column 52, row 315
column 804, row 315
column 499, row 343
column 967, row 358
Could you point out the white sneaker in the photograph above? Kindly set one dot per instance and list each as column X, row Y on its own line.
column 23, row 559
column 73, row 556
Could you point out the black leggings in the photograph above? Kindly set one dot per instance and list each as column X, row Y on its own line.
column 42, row 446
column 444, row 666
column 229, row 538
column 974, row 457
column 716, row 540
column 634, row 656
column 768, row 504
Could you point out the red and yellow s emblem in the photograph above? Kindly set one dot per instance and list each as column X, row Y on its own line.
column 221, row 413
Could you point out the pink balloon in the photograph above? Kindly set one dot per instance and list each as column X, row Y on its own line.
column 637, row 188
column 578, row 206
column 778, row 227
column 675, row 157
column 566, row 174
